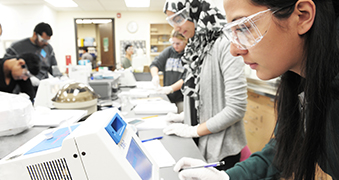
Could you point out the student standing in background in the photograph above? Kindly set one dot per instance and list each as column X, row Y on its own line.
column 39, row 45
column 169, row 62
column 294, row 39
column 87, row 56
column 215, row 88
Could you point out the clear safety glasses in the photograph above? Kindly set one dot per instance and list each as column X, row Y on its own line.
column 179, row 18
column 177, row 43
column 248, row 31
column 42, row 39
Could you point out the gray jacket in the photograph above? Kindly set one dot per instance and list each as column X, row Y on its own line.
column 46, row 55
column 223, row 94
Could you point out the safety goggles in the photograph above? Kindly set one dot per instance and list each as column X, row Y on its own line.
column 176, row 43
column 42, row 39
column 25, row 71
column 248, row 31
column 179, row 18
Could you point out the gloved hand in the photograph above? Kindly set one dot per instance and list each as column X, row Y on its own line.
column 35, row 81
column 182, row 130
column 198, row 173
column 165, row 90
column 155, row 81
column 173, row 117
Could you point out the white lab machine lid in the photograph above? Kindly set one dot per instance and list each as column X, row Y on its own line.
column 76, row 96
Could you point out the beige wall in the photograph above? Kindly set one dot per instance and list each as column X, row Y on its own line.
column 18, row 22
column 65, row 26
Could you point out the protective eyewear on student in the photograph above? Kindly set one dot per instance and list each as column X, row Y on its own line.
column 179, row 18
column 42, row 39
column 248, row 31
column 177, row 43
column 25, row 71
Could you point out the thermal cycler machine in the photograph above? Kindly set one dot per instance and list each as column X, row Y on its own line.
column 102, row 147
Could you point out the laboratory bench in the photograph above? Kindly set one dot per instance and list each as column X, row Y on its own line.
column 171, row 143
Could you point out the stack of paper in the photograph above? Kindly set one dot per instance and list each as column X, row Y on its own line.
column 162, row 157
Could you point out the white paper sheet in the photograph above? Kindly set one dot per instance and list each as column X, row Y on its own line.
column 153, row 123
column 162, row 157
column 54, row 118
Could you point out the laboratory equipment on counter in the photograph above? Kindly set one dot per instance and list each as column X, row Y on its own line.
column 105, row 88
column 47, row 89
column 102, row 147
column 80, row 73
column 127, row 78
column 76, row 96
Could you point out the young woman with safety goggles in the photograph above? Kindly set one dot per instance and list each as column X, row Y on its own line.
column 294, row 39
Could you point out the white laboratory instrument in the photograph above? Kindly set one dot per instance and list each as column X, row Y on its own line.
column 102, row 147
column 127, row 78
column 47, row 90
column 76, row 96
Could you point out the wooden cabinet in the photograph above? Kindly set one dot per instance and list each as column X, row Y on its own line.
column 259, row 120
column 259, row 123
column 160, row 35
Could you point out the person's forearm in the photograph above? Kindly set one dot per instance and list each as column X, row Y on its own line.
column 202, row 130
column 154, row 71
column 177, row 85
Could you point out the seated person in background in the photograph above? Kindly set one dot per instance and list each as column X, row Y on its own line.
column 17, row 71
column 87, row 56
column 37, row 44
column 169, row 62
column 127, row 60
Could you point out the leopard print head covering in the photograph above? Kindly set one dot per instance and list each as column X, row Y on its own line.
column 208, row 21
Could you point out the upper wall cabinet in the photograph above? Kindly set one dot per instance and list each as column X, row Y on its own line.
column 160, row 35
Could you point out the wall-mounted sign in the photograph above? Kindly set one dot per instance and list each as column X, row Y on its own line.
column 105, row 43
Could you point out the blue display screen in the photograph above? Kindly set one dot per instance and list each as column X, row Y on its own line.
column 139, row 161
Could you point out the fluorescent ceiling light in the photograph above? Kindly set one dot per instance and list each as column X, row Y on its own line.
column 137, row 3
column 62, row 3
column 93, row 21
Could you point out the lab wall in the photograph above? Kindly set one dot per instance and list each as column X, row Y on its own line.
column 65, row 25
column 18, row 22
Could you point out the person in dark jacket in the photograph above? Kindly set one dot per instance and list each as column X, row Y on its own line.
column 294, row 39
column 17, row 71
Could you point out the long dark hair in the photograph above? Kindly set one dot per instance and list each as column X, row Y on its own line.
column 301, row 125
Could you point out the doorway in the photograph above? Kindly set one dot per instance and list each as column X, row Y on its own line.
column 97, row 36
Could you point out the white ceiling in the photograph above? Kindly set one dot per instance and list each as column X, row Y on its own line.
column 92, row 5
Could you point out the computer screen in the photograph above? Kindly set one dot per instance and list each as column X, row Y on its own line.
column 139, row 161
